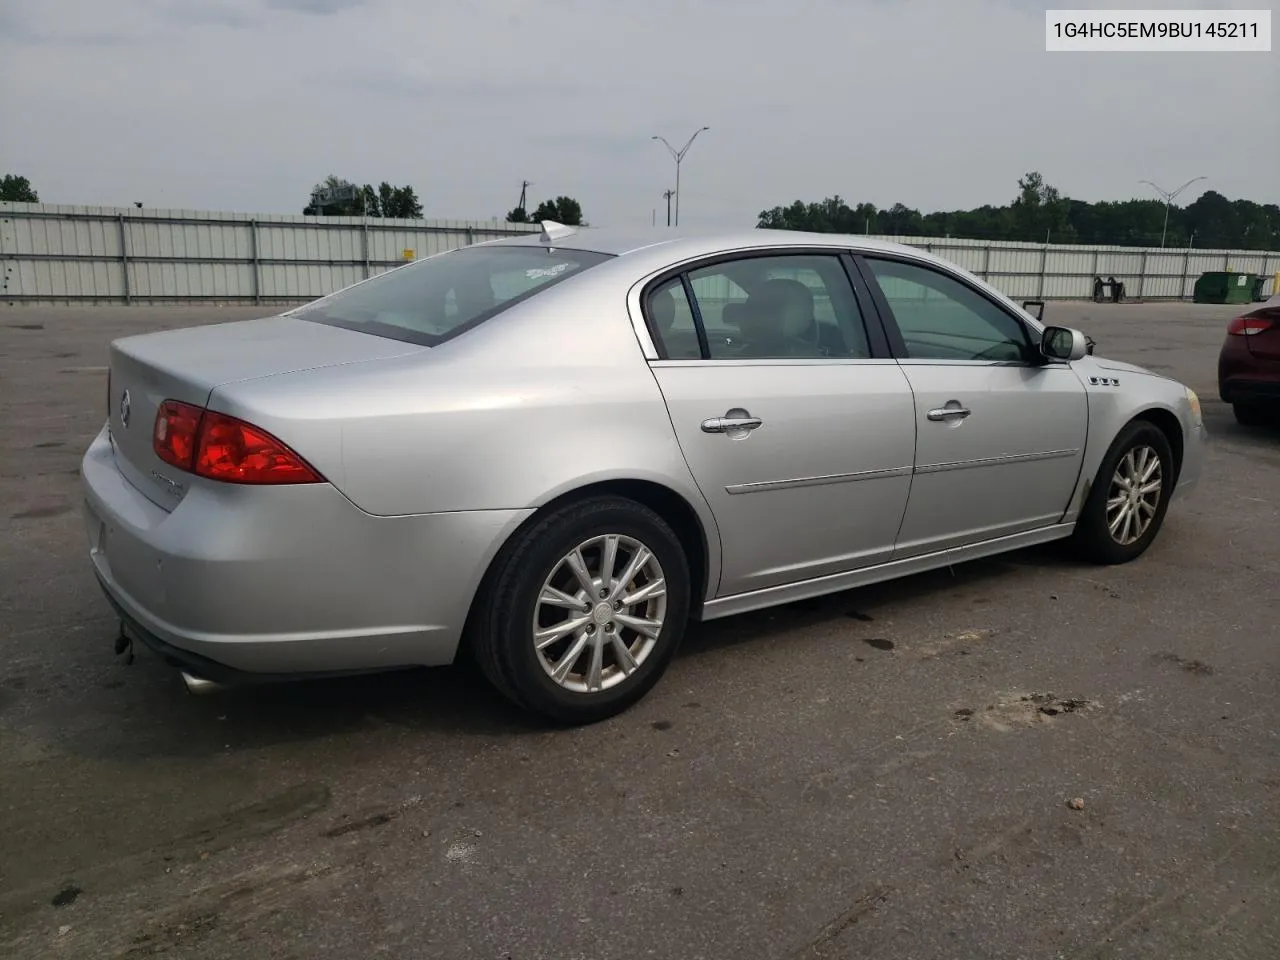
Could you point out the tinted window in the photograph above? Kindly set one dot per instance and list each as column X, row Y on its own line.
column 779, row 307
column 943, row 319
column 429, row 301
column 671, row 319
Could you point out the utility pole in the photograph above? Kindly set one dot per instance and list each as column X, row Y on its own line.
column 1168, row 199
column 667, row 195
column 524, row 195
column 677, row 156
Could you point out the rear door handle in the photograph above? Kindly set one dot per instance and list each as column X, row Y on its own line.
column 730, row 424
column 952, row 411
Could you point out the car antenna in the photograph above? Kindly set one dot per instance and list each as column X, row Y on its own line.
column 554, row 231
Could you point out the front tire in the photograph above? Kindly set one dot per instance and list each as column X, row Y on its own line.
column 584, row 610
column 1129, row 498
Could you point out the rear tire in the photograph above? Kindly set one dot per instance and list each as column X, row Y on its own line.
column 1249, row 415
column 535, row 611
column 1123, row 512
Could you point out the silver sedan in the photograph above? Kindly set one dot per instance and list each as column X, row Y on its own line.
column 549, row 453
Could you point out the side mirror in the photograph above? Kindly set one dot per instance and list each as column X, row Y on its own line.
column 1063, row 343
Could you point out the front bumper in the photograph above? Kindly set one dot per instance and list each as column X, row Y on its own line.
column 1194, row 453
column 284, row 581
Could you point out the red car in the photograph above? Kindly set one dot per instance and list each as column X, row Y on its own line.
column 1249, row 364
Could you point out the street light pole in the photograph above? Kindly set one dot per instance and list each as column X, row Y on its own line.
column 677, row 156
column 1169, row 196
column 667, row 195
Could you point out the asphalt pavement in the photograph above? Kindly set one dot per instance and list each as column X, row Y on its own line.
column 887, row 772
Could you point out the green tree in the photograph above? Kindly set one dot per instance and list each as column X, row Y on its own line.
column 384, row 201
column 901, row 221
column 831, row 215
column 17, row 189
column 1040, row 211
column 564, row 210
column 518, row 215
column 398, row 202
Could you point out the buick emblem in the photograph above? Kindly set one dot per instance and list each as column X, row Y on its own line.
column 124, row 408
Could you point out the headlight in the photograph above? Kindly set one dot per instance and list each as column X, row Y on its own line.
column 1196, row 417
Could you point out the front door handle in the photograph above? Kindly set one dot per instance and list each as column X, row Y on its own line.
column 952, row 411
column 730, row 424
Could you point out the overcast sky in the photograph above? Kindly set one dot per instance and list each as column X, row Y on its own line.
column 941, row 104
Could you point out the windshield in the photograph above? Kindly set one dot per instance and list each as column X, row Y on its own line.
column 440, row 297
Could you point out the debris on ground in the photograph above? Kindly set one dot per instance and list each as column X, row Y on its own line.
column 1198, row 667
column 1076, row 803
column 461, row 852
column 958, row 643
column 1051, row 706
column 66, row 895
column 1026, row 709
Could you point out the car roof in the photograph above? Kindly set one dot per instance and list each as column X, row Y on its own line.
column 620, row 242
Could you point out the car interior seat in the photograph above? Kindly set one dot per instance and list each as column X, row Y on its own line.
column 780, row 321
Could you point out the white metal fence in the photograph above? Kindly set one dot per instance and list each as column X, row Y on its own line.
column 57, row 254
column 67, row 253
column 1026, row 271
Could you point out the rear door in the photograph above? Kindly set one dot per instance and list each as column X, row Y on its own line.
column 797, row 426
column 1000, row 435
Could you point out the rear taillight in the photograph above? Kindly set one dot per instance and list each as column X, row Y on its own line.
column 175, row 435
column 237, row 452
column 220, row 447
column 1248, row 326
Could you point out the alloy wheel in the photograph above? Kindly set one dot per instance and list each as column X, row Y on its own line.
column 1134, row 496
column 599, row 613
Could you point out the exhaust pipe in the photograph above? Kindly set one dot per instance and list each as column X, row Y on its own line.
column 199, row 686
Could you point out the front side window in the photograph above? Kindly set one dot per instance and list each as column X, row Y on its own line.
column 435, row 299
column 943, row 319
column 779, row 307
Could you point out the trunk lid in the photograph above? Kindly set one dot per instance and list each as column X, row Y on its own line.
column 188, row 365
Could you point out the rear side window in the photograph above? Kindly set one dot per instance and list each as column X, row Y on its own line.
column 673, row 322
column 772, row 306
column 440, row 297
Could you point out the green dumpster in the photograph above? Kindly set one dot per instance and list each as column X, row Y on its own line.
column 1224, row 286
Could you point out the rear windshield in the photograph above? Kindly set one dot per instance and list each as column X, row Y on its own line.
column 440, row 297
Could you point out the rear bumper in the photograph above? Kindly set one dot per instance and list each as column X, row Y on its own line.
column 1249, row 390
column 283, row 582
column 1244, row 377
column 193, row 663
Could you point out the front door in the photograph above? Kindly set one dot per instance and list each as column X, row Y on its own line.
column 798, row 436
column 1000, row 435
